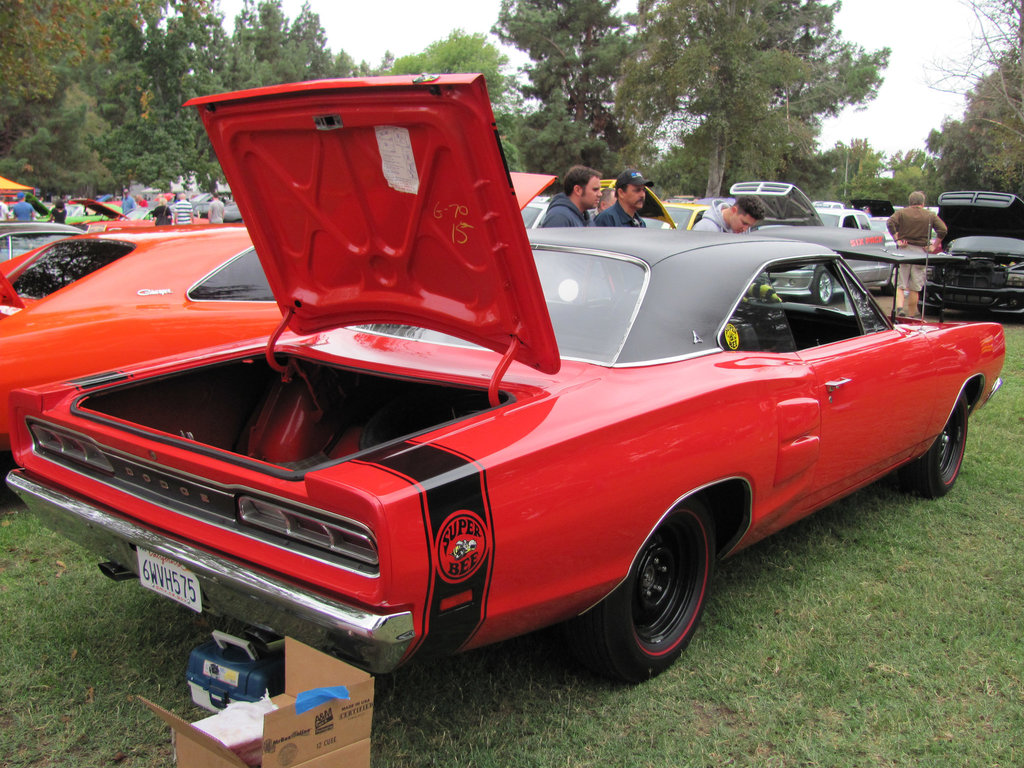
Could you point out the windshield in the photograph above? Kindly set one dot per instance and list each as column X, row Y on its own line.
column 591, row 300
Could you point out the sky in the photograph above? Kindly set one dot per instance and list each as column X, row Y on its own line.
column 924, row 36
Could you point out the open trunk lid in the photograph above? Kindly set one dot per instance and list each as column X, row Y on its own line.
column 385, row 200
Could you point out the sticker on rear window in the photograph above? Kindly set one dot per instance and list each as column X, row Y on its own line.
column 397, row 161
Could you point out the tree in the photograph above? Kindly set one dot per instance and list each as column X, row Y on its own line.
column 39, row 36
column 267, row 49
column 460, row 52
column 743, row 83
column 576, row 48
column 985, row 150
column 47, row 119
column 979, row 151
column 165, row 53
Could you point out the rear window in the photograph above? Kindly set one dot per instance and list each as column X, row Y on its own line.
column 65, row 262
column 241, row 279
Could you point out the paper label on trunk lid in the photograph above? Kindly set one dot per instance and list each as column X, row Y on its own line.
column 397, row 160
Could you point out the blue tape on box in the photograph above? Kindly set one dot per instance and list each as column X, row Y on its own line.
column 314, row 697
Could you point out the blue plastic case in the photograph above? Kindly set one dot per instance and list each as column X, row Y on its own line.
column 229, row 668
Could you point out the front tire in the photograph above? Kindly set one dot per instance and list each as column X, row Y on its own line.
column 642, row 627
column 934, row 474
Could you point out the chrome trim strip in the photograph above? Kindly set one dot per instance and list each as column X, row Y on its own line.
column 166, row 502
column 374, row 642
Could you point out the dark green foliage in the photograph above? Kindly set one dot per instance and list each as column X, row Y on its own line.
column 461, row 52
column 576, row 48
column 984, row 150
column 115, row 113
column 742, row 84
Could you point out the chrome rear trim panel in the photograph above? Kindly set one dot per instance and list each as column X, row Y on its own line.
column 372, row 641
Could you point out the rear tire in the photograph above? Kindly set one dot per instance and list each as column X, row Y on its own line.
column 934, row 474
column 642, row 627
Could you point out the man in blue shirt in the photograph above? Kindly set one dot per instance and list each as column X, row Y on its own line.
column 127, row 204
column 21, row 210
column 630, row 193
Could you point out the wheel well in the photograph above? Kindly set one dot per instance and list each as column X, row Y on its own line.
column 729, row 502
column 973, row 389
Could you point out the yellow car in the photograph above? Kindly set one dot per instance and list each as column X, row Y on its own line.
column 686, row 214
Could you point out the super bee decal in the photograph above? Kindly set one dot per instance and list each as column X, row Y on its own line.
column 732, row 337
column 461, row 546
column 457, row 517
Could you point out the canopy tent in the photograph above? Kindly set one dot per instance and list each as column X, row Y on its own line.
column 6, row 185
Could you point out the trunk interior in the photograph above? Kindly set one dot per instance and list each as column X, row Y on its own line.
column 297, row 419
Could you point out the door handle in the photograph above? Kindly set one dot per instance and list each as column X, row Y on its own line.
column 835, row 384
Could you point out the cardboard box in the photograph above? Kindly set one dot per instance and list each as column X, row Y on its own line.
column 335, row 733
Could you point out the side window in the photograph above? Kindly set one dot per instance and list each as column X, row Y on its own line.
column 796, row 306
column 758, row 324
column 24, row 243
column 868, row 313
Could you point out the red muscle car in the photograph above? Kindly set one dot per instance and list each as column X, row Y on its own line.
column 460, row 433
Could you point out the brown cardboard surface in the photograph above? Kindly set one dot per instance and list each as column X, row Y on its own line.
column 353, row 756
column 200, row 749
column 336, row 733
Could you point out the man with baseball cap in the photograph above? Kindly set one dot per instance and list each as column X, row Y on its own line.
column 630, row 193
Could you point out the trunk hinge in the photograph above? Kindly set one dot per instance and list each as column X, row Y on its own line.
column 272, row 342
column 506, row 361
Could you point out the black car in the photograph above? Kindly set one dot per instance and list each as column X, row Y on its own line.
column 986, row 230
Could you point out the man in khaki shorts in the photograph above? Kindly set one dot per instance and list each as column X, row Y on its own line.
column 911, row 227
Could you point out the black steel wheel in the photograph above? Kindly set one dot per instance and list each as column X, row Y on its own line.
column 642, row 627
column 934, row 474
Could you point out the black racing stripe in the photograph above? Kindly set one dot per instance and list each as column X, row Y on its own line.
column 457, row 517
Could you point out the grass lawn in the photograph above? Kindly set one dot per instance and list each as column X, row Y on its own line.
column 882, row 631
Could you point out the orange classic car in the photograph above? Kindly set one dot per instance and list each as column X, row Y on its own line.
column 100, row 302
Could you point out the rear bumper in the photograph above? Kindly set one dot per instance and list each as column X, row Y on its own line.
column 375, row 642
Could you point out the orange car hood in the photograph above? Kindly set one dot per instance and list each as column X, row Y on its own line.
column 384, row 200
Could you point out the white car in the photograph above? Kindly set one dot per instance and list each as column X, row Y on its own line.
column 843, row 217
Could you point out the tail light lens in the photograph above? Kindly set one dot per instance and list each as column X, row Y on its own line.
column 63, row 444
column 337, row 536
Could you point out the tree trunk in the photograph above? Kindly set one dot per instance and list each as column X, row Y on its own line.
column 716, row 168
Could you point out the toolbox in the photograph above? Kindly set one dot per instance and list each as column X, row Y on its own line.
column 229, row 668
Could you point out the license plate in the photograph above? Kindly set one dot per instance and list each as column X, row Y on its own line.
column 170, row 579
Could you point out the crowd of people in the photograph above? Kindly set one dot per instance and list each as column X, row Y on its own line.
column 582, row 202
column 167, row 208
